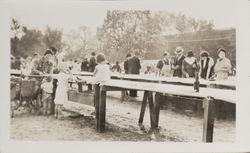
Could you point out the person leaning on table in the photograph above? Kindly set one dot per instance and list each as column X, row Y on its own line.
column 206, row 65
column 164, row 65
column 223, row 65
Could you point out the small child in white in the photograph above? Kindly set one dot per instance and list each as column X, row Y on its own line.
column 47, row 90
column 102, row 70
column 62, row 88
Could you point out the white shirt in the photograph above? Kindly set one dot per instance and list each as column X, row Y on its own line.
column 102, row 73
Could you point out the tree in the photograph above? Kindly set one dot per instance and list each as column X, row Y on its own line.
column 53, row 37
column 17, row 31
column 124, row 31
column 80, row 43
column 31, row 42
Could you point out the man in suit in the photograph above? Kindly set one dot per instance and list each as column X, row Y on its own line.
column 177, row 66
column 92, row 64
column 134, row 67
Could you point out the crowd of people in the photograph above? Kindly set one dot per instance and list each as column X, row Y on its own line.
column 185, row 66
column 54, row 88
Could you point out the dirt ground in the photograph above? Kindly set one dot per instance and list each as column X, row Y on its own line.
column 78, row 124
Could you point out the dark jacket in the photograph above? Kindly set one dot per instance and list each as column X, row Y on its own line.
column 85, row 66
column 92, row 64
column 178, row 62
column 134, row 65
column 126, row 66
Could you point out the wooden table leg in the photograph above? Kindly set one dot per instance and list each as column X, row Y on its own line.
column 143, row 106
column 208, row 124
column 123, row 94
column 151, row 109
column 102, row 109
column 157, row 106
column 79, row 87
column 96, row 104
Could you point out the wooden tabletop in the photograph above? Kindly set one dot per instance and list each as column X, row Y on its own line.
column 178, row 90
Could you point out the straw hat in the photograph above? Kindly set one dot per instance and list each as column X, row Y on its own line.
column 179, row 50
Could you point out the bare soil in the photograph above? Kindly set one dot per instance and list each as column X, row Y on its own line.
column 78, row 124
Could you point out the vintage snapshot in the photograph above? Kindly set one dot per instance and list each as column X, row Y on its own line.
column 105, row 72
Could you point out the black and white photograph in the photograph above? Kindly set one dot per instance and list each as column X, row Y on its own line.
column 114, row 73
column 124, row 76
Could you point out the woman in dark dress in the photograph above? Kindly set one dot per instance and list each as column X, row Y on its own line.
column 189, row 65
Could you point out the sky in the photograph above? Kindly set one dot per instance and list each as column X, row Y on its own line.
column 70, row 14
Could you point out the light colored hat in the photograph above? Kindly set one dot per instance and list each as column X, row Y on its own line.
column 204, row 53
column 179, row 50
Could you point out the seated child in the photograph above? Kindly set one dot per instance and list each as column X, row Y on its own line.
column 47, row 90
column 102, row 70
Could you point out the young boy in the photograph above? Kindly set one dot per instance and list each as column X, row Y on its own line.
column 47, row 90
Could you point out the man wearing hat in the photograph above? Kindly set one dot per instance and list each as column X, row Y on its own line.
column 177, row 66
column 206, row 65
column 223, row 65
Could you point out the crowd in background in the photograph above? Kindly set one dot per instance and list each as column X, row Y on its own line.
column 54, row 89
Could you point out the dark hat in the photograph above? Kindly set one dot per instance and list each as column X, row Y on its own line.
column 53, row 49
column 48, row 51
column 190, row 54
column 166, row 54
column 204, row 53
column 128, row 55
column 178, row 50
column 221, row 50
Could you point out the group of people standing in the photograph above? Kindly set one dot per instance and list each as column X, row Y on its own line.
column 186, row 66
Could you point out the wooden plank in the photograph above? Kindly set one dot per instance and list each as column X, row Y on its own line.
column 96, row 104
column 102, row 110
column 157, row 106
column 151, row 110
column 143, row 107
column 208, row 123
column 178, row 90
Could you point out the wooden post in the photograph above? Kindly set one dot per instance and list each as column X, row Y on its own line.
column 151, row 109
column 79, row 87
column 102, row 109
column 123, row 94
column 96, row 104
column 157, row 106
column 208, row 124
column 143, row 106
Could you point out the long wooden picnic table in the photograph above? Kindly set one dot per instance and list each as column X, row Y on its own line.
column 208, row 95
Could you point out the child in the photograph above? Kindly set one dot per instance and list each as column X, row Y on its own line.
column 47, row 90
column 62, row 88
column 102, row 70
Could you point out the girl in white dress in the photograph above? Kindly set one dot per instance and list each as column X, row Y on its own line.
column 62, row 88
